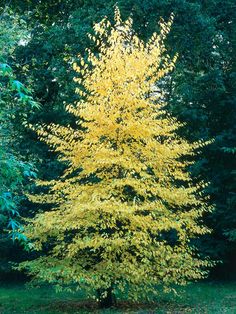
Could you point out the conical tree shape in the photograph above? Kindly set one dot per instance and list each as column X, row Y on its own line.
column 125, row 209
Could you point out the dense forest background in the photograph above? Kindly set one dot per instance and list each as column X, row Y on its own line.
column 39, row 42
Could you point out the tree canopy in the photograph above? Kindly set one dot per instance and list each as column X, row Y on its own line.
column 126, row 201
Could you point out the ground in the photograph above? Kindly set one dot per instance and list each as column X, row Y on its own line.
column 207, row 297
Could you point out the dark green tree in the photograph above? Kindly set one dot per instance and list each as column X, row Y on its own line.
column 16, row 103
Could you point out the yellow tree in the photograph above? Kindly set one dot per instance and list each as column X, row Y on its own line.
column 125, row 209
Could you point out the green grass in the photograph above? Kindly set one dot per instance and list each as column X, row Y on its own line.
column 209, row 298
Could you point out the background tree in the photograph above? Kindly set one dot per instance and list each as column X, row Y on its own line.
column 126, row 209
column 16, row 103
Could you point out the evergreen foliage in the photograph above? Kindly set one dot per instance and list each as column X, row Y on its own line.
column 16, row 103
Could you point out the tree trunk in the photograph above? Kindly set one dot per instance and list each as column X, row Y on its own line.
column 106, row 301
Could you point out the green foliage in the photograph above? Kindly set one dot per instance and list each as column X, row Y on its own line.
column 14, row 173
column 15, row 101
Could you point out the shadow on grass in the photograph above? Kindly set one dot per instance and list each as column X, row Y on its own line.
column 196, row 298
column 91, row 306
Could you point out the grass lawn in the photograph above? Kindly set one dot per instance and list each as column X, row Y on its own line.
column 209, row 298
